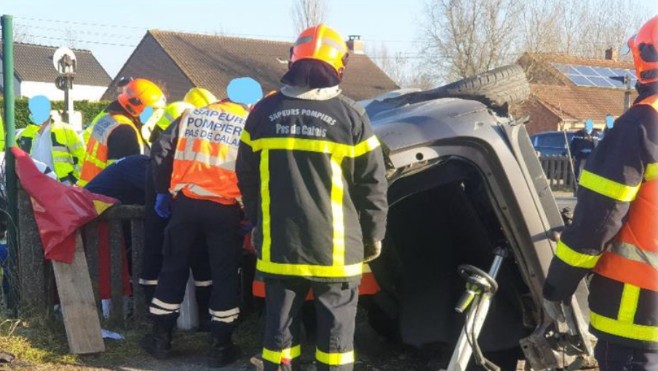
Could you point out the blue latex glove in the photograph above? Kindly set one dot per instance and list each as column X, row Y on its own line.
column 163, row 205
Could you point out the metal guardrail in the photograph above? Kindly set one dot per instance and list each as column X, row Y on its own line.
column 559, row 172
column 35, row 280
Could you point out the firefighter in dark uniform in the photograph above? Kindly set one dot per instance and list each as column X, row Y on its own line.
column 614, row 233
column 194, row 160
column 312, row 177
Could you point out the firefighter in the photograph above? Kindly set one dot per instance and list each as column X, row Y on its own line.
column 312, row 178
column 121, row 85
column 194, row 160
column 117, row 134
column 154, row 225
column 52, row 142
column 614, row 234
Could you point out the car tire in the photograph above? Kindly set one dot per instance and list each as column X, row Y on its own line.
column 498, row 87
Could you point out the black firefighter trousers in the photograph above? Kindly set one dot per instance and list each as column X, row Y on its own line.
column 335, row 307
column 218, row 225
column 154, row 227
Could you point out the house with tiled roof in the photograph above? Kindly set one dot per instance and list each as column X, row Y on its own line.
column 34, row 73
column 567, row 90
column 179, row 61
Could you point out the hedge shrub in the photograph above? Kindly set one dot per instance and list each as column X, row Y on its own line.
column 88, row 109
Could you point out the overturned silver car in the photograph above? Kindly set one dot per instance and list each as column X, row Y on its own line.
column 469, row 229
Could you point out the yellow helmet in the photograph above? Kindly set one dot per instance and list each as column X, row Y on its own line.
column 321, row 43
column 199, row 97
column 172, row 112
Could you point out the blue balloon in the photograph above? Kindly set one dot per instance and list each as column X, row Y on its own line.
column 589, row 125
column 146, row 114
column 244, row 90
column 609, row 121
column 39, row 107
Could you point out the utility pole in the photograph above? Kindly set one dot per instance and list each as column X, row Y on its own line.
column 10, row 170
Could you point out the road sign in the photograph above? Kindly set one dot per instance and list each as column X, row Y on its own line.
column 64, row 60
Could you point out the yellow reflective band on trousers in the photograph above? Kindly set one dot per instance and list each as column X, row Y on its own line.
column 276, row 356
column 627, row 330
column 651, row 172
column 607, row 187
column 338, row 153
column 334, row 359
column 628, row 304
column 574, row 258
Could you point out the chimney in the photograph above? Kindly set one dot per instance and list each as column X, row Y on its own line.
column 355, row 45
column 611, row 54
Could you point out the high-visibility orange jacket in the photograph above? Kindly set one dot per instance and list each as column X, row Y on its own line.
column 615, row 232
column 202, row 161
column 98, row 156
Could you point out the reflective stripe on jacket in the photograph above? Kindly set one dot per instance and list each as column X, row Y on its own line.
column 207, row 147
column 96, row 157
column 614, row 232
column 66, row 147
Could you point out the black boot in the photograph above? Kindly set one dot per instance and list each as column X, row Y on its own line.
column 223, row 354
column 158, row 343
column 222, row 350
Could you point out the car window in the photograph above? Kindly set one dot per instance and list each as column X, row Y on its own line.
column 553, row 140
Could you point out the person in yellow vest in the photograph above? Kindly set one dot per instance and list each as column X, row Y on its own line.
column 312, row 177
column 2, row 134
column 121, row 85
column 614, row 233
column 117, row 134
column 194, row 161
column 54, row 143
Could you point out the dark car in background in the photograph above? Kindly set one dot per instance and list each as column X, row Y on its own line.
column 552, row 143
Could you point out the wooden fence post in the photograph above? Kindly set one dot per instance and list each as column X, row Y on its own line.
column 31, row 275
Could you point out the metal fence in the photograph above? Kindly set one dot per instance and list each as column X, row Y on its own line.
column 35, row 280
column 559, row 172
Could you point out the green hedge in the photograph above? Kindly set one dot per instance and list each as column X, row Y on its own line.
column 89, row 110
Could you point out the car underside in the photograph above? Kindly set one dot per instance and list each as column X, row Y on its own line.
column 466, row 189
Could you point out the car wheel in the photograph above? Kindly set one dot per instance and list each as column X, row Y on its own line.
column 507, row 84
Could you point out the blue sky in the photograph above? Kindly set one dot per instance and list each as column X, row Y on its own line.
column 111, row 29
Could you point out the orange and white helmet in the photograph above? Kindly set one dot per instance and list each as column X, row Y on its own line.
column 199, row 97
column 139, row 94
column 644, row 46
column 321, row 43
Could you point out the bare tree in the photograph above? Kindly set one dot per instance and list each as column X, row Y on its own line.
column 22, row 35
column 71, row 38
column 465, row 37
column 308, row 13
column 400, row 67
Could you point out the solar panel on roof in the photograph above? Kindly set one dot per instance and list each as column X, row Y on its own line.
column 603, row 77
column 601, row 81
column 581, row 81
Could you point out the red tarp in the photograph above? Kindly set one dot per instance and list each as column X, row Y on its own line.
column 59, row 209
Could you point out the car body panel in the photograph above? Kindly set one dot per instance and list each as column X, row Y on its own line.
column 421, row 135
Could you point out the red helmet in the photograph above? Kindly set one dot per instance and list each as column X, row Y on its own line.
column 644, row 46
column 139, row 94
column 321, row 43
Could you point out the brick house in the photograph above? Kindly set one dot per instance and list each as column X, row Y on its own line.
column 567, row 90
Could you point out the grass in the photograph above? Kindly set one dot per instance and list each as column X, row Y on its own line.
column 40, row 344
